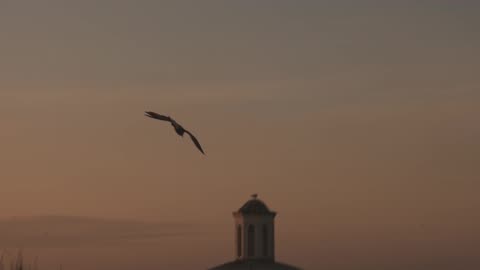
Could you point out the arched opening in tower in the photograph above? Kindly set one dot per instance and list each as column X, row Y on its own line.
column 251, row 241
column 239, row 241
column 265, row 240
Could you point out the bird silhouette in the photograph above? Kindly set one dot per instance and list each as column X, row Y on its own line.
column 178, row 128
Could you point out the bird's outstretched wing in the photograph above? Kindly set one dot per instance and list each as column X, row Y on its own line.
column 195, row 141
column 155, row 115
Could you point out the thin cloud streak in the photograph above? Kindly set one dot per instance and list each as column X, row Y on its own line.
column 75, row 232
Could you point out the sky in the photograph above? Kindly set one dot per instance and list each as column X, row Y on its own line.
column 357, row 121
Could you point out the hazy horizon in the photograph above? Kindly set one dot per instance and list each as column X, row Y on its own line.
column 357, row 121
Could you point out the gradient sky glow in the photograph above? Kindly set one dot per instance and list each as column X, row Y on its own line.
column 356, row 120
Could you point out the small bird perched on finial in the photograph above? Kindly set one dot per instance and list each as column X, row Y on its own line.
column 178, row 128
column 255, row 196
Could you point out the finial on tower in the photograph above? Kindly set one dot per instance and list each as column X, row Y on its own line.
column 254, row 196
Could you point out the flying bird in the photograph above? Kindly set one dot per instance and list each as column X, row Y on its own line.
column 178, row 128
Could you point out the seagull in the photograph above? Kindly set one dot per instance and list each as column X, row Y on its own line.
column 178, row 128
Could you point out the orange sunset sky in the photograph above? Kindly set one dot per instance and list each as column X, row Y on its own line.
column 358, row 121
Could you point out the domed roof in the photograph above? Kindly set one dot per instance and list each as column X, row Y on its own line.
column 255, row 265
column 255, row 206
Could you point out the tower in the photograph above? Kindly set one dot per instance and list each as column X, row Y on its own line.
column 254, row 239
column 254, row 231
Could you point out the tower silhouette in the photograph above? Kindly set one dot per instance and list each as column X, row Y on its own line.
column 255, row 231
column 254, row 239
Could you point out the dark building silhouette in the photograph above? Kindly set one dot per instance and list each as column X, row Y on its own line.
column 254, row 239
